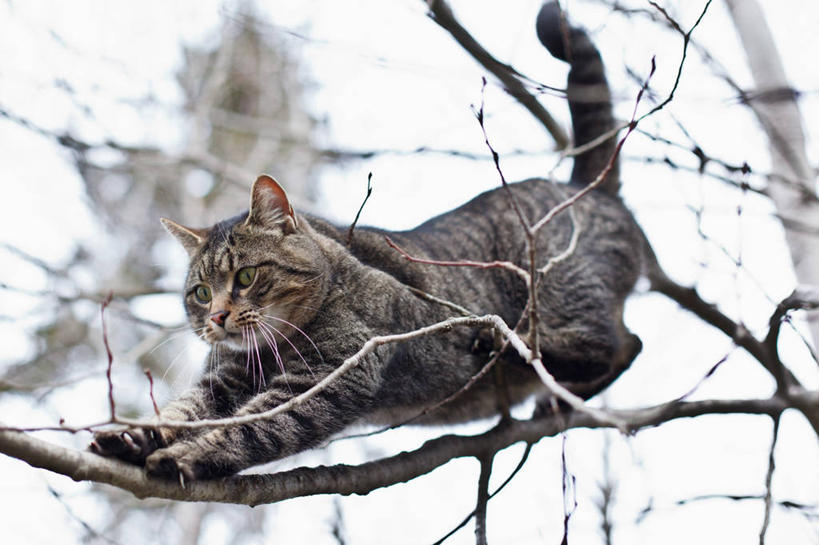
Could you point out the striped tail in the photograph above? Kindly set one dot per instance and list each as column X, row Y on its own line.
column 587, row 92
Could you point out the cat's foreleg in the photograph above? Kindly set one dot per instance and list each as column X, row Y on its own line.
column 229, row 449
column 216, row 395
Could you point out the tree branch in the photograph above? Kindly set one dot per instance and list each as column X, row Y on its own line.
column 441, row 13
column 364, row 478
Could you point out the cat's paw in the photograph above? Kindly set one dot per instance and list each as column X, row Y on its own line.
column 132, row 445
column 164, row 465
column 184, row 463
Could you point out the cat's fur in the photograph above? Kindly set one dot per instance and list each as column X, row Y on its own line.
column 329, row 298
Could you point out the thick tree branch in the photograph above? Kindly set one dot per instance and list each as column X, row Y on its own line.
column 364, row 478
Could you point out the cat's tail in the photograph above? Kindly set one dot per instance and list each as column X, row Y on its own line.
column 588, row 95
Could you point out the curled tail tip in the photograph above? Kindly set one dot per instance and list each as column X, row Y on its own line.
column 551, row 27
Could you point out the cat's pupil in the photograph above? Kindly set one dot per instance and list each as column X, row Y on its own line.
column 245, row 276
column 203, row 294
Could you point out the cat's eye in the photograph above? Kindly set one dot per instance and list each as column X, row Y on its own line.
column 203, row 294
column 245, row 276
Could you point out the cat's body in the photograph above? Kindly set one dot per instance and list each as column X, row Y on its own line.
column 269, row 274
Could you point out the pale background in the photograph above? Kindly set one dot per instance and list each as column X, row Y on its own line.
column 383, row 76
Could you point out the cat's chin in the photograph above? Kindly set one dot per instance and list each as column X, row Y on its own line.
column 231, row 342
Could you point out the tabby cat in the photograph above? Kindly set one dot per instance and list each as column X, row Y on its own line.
column 284, row 299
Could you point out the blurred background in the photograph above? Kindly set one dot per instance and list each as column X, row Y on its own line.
column 115, row 114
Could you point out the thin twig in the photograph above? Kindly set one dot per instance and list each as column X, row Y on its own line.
column 508, row 265
column 488, row 320
column 479, row 115
column 483, row 499
column 609, row 166
column 570, row 248
column 442, row 14
column 110, row 356
column 463, row 311
column 511, row 476
column 766, row 519
column 151, row 391
column 358, row 214
column 686, row 40
column 568, row 484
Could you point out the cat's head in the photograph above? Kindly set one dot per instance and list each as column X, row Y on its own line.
column 255, row 277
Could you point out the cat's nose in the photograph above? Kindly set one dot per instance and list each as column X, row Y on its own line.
column 219, row 317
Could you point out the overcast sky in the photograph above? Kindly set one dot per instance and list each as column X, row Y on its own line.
column 385, row 77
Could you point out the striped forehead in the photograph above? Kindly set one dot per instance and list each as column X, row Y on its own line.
column 218, row 258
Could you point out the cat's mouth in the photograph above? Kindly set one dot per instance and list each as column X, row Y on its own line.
column 245, row 340
column 236, row 341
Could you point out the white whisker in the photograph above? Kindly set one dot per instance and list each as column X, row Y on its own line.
column 175, row 361
column 175, row 336
column 305, row 335
column 259, row 359
column 246, row 338
column 210, row 369
column 307, row 365
column 271, row 342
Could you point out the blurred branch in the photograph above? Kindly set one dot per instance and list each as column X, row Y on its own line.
column 336, row 154
column 89, row 530
column 810, row 511
column 441, row 13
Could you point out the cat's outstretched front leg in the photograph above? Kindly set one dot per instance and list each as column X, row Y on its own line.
column 227, row 450
column 216, row 395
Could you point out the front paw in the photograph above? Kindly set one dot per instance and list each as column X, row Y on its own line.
column 185, row 462
column 132, row 445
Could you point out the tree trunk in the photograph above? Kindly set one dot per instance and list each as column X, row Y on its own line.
column 793, row 187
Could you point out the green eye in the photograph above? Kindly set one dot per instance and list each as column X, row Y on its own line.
column 245, row 276
column 203, row 294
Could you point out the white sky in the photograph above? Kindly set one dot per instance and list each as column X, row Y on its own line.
column 387, row 77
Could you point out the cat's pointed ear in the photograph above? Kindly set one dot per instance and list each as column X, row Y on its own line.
column 269, row 206
column 191, row 239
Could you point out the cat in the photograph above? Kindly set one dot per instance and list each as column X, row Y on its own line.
column 285, row 298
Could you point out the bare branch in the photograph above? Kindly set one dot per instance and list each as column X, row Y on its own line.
column 441, row 13
column 511, row 476
column 358, row 214
column 686, row 39
column 483, row 499
column 768, row 478
column 110, row 355
column 568, row 484
column 364, row 478
column 351, row 362
column 508, row 265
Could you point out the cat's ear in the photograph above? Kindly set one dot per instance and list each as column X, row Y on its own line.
column 269, row 206
column 191, row 239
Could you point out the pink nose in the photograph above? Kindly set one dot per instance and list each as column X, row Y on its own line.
column 219, row 318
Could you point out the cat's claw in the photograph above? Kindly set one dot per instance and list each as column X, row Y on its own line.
column 164, row 465
column 132, row 445
column 185, row 463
